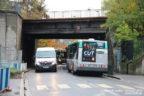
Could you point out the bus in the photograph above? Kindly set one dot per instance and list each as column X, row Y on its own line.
column 87, row 55
column 61, row 56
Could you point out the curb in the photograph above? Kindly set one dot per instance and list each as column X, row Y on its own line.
column 26, row 86
column 22, row 85
column 28, row 70
column 112, row 76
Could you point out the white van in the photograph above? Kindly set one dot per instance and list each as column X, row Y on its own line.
column 45, row 59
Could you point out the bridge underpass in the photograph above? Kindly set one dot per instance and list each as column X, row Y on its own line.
column 74, row 28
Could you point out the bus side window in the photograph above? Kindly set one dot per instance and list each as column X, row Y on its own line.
column 68, row 51
column 71, row 52
column 75, row 50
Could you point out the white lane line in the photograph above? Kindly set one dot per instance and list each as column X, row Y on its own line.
column 63, row 86
column 104, row 85
column 125, row 87
column 42, row 87
column 84, row 86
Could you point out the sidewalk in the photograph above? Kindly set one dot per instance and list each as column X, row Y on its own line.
column 137, row 79
column 17, row 87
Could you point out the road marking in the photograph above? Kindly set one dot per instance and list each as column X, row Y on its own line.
column 92, row 85
column 84, row 86
column 104, row 85
column 63, row 86
column 111, row 92
column 41, row 87
column 126, row 87
column 141, row 87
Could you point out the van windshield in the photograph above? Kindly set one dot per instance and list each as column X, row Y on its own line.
column 46, row 54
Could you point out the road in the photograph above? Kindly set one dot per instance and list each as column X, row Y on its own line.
column 63, row 83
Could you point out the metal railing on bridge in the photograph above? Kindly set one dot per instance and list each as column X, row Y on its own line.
column 76, row 13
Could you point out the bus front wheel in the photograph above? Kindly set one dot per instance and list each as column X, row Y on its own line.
column 74, row 72
column 69, row 70
column 100, row 74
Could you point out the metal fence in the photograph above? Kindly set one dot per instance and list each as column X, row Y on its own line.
column 76, row 13
column 138, row 51
column 135, row 65
column 11, row 58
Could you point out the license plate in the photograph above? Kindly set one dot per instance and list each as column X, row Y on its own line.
column 45, row 66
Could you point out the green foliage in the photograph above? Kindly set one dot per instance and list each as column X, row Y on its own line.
column 125, row 17
column 124, row 32
column 51, row 43
column 5, row 4
column 34, row 9
column 13, row 69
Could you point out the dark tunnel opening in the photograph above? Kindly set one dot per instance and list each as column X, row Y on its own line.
column 64, row 28
column 28, row 45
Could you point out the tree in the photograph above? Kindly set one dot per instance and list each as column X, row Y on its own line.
column 52, row 43
column 5, row 4
column 72, row 40
column 33, row 9
column 125, row 16
column 124, row 32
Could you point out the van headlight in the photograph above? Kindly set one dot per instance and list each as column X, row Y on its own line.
column 53, row 63
column 37, row 63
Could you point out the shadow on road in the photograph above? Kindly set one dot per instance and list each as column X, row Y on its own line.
column 90, row 74
column 62, row 68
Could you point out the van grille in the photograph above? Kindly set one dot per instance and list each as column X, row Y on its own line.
column 45, row 63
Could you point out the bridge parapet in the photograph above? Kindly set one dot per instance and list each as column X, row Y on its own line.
column 76, row 13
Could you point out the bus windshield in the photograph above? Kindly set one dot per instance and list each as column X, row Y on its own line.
column 89, row 51
column 45, row 54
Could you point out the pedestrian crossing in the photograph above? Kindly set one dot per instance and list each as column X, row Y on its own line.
column 104, row 86
column 141, row 87
column 126, row 87
column 88, row 86
column 84, row 86
column 63, row 86
column 41, row 87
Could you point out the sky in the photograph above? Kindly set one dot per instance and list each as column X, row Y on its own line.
column 64, row 5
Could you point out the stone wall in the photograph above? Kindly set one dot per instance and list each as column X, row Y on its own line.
column 133, row 68
column 2, row 29
column 10, row 29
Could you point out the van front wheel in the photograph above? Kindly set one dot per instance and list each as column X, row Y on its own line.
column 36, row 70
column 55, row 70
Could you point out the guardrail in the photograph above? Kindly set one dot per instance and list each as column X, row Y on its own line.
column 76, row 13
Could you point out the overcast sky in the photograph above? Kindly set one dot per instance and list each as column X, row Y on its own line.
column 62, row 5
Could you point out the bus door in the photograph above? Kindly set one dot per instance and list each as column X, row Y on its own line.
column 101, row 54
